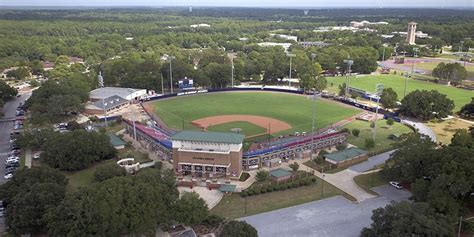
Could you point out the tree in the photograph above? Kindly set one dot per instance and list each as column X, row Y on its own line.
column 108, row 171
column 390, row 122
column 408, row 219
column 467, row 111
column 307, row 82
column 320, row 84
column 190, row 209
column 342, row 89
column 77, row 149
column 19, row 73
column 356, row 132
column 426, row 105
column 453, row 72
column 238, row 229
column 28, row 195
column 7, row 92
column 128, row 205
column 262, row 175
column 341, row 146
column 295, row 166
column 389, row 98
column 369, row 143
column 462, row 138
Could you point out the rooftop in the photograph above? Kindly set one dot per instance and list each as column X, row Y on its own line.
column 110, row 102
column 345, row 154
column 280, row 172
column 218, row 137
column 106, row 92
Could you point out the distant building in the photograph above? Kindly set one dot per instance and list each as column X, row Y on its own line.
column 342, row 28
column 116, row 141
column 357, row 24
column 280, row 174
column 202, row 25
column 47, row 65
column 107, row 105
column 307, row 44
column 285, row 37
column 411, row 33
column 286, row 46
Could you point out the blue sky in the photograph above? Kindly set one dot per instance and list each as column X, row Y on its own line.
column 247, row 3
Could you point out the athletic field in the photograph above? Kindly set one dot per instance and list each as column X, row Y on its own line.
column 289, row 113
column 368, row 82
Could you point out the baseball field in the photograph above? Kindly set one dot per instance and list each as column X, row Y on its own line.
column 368, row 82
column 254, row 113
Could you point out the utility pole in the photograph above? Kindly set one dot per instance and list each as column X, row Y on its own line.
column 412, row 71
column 460, row 47
column 322, row 185
column 133, row 120
column 105, row 112
column 289, row 79
column 460, row 223
column 162, row 86
column 313, row 55
column 231, row 57
column 349, row 65
column 313, row 125
column 373, row 175
column 378, row 92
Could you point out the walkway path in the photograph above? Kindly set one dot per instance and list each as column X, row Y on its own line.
column 422, row 128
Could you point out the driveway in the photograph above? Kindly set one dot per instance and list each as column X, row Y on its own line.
column 371, row 162
column 334, row 216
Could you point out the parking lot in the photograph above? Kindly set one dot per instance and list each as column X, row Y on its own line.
column 335, row 216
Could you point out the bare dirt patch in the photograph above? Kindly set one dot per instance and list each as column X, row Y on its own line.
column 274, row 125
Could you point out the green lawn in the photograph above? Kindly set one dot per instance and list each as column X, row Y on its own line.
column 368, row 181
column 233, row 206
column 83, row 177
column 368, row 82
column 248, row 129
column 382, row 133
column 293, row 109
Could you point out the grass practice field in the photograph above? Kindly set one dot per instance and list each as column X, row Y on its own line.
column 368, row 82
column 296, row 110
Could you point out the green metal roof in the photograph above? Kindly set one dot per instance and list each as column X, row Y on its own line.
column 346, row 154
column 219, row 137
column 280, row 172
column 116, row 141
column 227, row 188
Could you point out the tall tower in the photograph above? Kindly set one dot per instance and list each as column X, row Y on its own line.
column 100, row 79
column 411, row 33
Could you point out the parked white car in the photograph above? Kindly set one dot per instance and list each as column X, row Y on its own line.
column 396, row 185
column 8, row 176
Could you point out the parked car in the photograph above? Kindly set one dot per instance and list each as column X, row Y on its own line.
column 8, row 176
column 20, row 113
column 10, row 170
column 15, row 153
column 12, row 165
column 17, row 127
column 397, row 185
column 13, row 140
column 37, row 155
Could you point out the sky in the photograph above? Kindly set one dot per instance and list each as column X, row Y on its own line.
column 248, row 3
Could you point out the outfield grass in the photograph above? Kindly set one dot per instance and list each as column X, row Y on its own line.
column 368, row 82
column 248, row 129
column 296, row 110
column 233, row 206
column 382, row 132
column 371, row 180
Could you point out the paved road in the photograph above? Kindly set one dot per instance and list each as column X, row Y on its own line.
column 371, row 162
column 329, row 217
column 422, row 128
column 6, row 128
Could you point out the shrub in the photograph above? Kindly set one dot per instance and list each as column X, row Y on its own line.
column 108, row 171
column 250, row 192
column 295, row 184
column 283, row 186
column 345, row 130
column 257, row 191
column 301, row 182
column 244, row 193
column 213, row 220
column 355, row 132
column 307, row 182
column 313, row 179
column 262, row 175
column 270, row 189
column 295, row 166
column 341, row 147
column 276, row 187
column 369, row 143
column 263, row 190
column 372, row 124
column 390, row 121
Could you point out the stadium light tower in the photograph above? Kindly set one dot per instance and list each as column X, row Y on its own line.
column 170, row 58
column 412, row 71
column 349, row 63
column 232, row 56
column 378, row 91
column 313, row 55
column 291, row 58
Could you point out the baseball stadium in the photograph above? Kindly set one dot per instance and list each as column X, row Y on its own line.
column 225, row 133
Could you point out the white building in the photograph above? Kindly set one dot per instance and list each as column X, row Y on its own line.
column 125, row 93
column 358, row 24
column 286, row 37
column 286, row 46
column 202, row 25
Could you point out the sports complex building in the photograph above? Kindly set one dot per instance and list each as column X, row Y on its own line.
column 220, row 154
